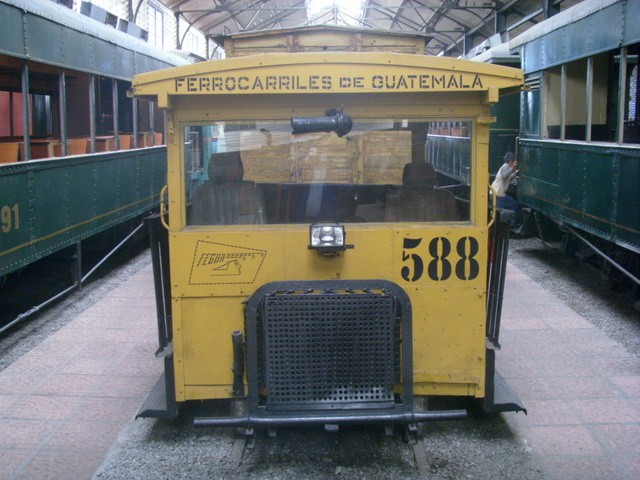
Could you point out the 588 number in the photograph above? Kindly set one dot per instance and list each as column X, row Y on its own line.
column 441, row 261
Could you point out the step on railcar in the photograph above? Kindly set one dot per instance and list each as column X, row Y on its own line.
column 309, row 267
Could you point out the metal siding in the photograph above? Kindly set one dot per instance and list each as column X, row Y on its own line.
column 580, row 202
column 85, row 49
column 538, row 178
column 631, row 23
column 11, row 31
column 532, row 56
column 104, row 59
column 15, row 191
column 571, row 184
column 49, row 203
column 45, row 40
column 599, row 169
column 593, row 187
column 125, row 62
column 627, row 206
column 63, row 201
column 144, row 63
column 450, row 156
column 577, row 40
column 504, row 130
column 599, row 39
column 555, row 48
column 506, row 112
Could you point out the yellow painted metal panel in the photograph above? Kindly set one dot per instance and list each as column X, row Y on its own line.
column 207, row 392
column 322, row 73
column 449, row 327
column 322, row 38
column 448, row 389
column 207, row 352
column 232, row 262
column 448, row 314
column 323, row 42
column 177, row 348
column 225, row 262
column 436, row 106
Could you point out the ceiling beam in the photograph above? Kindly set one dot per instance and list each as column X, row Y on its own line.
column 275, row 19
column 222, row 11
column 393, row 16
column 504, row 10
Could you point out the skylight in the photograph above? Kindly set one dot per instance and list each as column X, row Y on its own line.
column 335, row 12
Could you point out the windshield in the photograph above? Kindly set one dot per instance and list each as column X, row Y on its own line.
column 262, row 173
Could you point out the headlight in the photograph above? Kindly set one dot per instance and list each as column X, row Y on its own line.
column 327, row 237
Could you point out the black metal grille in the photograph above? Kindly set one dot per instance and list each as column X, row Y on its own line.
column 323, row 348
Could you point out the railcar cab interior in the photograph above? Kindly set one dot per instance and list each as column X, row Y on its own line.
column 262, row 173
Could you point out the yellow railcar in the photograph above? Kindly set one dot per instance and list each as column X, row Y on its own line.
column 314, row 270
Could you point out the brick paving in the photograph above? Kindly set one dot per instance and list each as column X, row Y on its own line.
column 581, row 388
column 63, row 404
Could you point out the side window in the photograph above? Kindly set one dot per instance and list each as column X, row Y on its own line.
column 530, row 108
column 156, row 26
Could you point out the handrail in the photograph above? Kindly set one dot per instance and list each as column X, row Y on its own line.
column 495, row 205
column 162, row 207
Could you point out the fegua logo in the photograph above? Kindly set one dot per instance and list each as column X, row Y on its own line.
column 218, row 263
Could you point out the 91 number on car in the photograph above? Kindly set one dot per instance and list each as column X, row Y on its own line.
column 9, row 218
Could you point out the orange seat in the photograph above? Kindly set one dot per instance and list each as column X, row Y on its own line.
column 144, row 140
column 147, row 139
column 126, row 141
column 9, row 152
column 75, row 146
column 41, row 149
column 78, row 146
column 104, row 143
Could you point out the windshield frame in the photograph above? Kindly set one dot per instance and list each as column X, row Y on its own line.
column 407, row 120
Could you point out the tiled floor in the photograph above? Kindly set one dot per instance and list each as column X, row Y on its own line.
column 63, row 404
column 581, row 389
